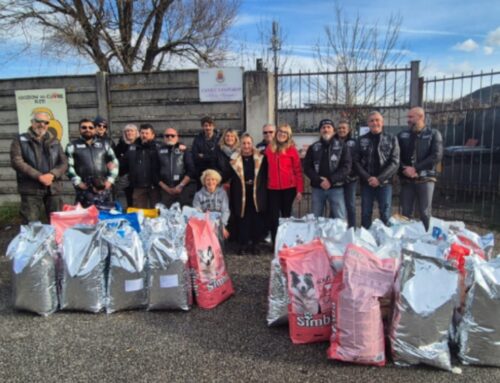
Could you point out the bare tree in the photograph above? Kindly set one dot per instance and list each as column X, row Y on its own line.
column 359, row 51
column 125, row 35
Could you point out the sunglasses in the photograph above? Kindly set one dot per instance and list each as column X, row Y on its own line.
column 170, row 135
column 87, row 127
column 271, row 132
column 102, row 126
column 42, row 122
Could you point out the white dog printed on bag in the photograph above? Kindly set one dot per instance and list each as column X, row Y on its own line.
column 207, row 263
column 304, row 299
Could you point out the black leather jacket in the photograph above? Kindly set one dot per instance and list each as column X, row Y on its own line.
column 388, row 153
column 141, row 164
column 427, row 153
column 351, row 144
column 174, row 164
column 340, row 162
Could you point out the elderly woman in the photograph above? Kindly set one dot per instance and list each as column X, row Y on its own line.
column 285, row 182
column 229, row 145
column 212, row 197
column 130, row 133
column 248, row 194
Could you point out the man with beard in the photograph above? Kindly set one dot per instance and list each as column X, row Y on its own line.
column 93, row 166
column 376, row 162
column 204, row 145
column 141, row 164
column 39, row 162
column 176, row 171
column 421, row 152
column 327, row 163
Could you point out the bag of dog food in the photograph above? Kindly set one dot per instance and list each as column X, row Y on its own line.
column 211, row 282
column 426, row 294
column 71, row 216
column 309, row 290
column 33, row 256
column 357, row 328
column 83, row 284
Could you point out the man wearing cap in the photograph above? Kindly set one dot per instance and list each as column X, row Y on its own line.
column 101, row 127
column 39, row 162
column 204, row 145
column 176, row 171
column 93, row 166
column 376, row 162
column 421, row 152
column 268, row 133
column 327, row 163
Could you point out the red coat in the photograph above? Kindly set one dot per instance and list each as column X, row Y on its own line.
column 285, row 170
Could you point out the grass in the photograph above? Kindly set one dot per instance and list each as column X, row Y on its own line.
column 9, row 214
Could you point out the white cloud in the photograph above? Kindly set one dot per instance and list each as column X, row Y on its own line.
column 468, row 45
column 246, row 19
column 487, row 50
column 493, row 38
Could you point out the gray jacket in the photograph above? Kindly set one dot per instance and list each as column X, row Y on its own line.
column 216, row 201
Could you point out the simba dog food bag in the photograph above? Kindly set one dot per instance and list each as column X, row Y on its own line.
column 309, row 277
column 212, row 284
column 357, row 328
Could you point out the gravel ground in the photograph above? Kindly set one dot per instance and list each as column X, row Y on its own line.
column 228, row 343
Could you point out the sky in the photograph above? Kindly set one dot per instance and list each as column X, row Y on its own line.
column 447, row 36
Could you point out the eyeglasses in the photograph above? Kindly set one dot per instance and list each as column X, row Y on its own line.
column 87, row 127
column 282, row 132
column 102, row 126
column 42, row 121
column 170, row 135
column 269, row 132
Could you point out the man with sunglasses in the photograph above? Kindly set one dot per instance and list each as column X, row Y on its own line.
column 268, row 133
column 39, row 162
column 92, row 165
column 176, row 171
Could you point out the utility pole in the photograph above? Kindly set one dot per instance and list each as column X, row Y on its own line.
column 275, row 47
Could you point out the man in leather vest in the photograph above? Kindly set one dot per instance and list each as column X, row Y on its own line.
column 39, row 162
column 421, row 152
column 327, row 164
column 376, row 162
column 141, row 164
column 176, row 171
column 93, row 166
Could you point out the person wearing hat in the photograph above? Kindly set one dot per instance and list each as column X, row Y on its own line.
column 327, row 164
column 101, row 126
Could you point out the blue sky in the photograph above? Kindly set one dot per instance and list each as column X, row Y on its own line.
column 446, row 36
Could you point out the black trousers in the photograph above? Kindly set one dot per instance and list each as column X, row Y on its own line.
column 279, row 204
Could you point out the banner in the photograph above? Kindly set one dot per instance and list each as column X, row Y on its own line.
column 50, row 101
column 221, row 84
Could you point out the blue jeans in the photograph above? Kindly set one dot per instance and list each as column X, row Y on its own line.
column 383, row 195
column 335, row 198
column 350, row 202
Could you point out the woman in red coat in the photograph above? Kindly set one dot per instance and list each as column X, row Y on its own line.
column 284, row 182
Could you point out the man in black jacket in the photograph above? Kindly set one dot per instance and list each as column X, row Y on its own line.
column 203, row 148
column 141, row 164
column 421, row 152
column 176, row 171
column 377, row 160
column 39, row 162
column 327, row 164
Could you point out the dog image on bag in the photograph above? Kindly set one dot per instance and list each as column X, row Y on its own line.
column 208, row 263
column 304, row 298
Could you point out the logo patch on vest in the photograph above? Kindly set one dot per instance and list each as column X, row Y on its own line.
column 334, row 157
column 405, row 135
column 22, row 138
column 131, row 147
column 164, row 151
column 80, row 146
column 97, row 145
column 351, row 143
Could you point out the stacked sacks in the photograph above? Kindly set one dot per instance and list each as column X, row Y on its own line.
column 479, row 329
column 83, row 285
column 426, row 294
column 33, row 255
column 126, row 288
column 169, row 283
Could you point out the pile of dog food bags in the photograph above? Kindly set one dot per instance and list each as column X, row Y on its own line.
column 423, row 291
column 108, row 262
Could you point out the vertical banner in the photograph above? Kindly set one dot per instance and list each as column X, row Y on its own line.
column 221, row 84
column 50, row 101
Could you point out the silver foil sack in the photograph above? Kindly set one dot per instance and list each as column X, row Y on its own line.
column 33, row 256
column 83, row 285
column 168, row 281
column 479, row 330
column 126, row 284
column 426, row 294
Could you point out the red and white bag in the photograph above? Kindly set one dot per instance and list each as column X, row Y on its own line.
column 309, row 283
column 357, row 328
column 211, row 282
column 72, row 216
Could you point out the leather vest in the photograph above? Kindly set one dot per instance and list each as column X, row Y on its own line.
column 91, row 160
column 28, row 153
column 335, row 149
column 172, row 167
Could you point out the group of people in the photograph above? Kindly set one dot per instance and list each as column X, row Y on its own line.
column 251, row 185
